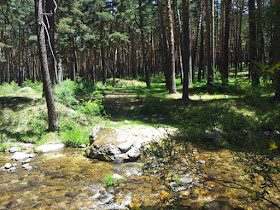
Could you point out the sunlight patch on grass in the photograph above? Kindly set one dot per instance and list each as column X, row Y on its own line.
column 174, row 96
column 210, row 97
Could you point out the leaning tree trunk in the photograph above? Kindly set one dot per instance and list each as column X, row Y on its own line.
column 53, row 122
column 186, row 48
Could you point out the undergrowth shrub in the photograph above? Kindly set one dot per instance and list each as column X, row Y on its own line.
column 93, row 106
column 37, row 86
column 70, row 121
column 3, row 144
column 8, row 88
column 36, row 122
column 76, row 137
column 231, row 127
column 65, row 93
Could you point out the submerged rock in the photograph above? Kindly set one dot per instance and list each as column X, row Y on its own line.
column 72, row 194
column 8, row 165
column 118, row 177
column 186, row 180
column 25, row 165
column 220, row 203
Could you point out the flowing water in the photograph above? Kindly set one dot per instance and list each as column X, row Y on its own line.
column 60, row 180
column 67, row 180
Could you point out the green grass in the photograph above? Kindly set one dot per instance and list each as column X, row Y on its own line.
column 76, row 137
column 110, row 181
column 238, row 114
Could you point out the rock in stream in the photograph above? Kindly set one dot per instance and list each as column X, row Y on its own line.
column 111, row 144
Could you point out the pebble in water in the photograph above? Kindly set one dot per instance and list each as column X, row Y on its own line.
column 8, row 165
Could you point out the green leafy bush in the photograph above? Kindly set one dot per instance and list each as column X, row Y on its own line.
column 3, row 144
column 93, row 106
column 6, row 88
column 68, row 123
column 37, row 86
column 76, row 137
column 65, row 93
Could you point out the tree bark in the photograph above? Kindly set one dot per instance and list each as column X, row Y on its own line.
column 213, row 33
column 252, row 43
column 102, row 43
column 186, row 47
column 144, row 56
column 50, row 7
column 53, row 121
column 201, row 65
column 225, row 43
column 261, row 54
column 165, row 63
column 172, row 88
column 210, row 73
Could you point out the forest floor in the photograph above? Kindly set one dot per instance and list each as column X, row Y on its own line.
column 224, row 154
column 220, row 128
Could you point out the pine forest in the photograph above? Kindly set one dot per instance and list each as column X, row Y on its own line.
column 140, row 104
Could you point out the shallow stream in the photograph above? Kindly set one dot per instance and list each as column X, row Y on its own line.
column 61, row 180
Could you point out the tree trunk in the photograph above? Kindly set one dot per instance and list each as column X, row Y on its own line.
column 186, row 47
column 144, row 56
column 201, row 65
column 164, row 51
column 236, row 39
column 252, row 43
column 20, row 74
column 180, row 47
column 102, row 43
column 172, row 88
column 213, row 33
column 53, row 121
column 275, row 51
column 261, row 54
column 210, row 73
column 50, row 7
column 195, row 48
column 225, row 43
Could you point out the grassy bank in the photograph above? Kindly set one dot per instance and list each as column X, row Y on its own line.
column 239, row 117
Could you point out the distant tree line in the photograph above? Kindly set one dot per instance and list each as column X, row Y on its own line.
column 101, row 39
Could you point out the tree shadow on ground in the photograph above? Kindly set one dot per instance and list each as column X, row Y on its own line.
column 16, row 103
column 27, row 137
column 238, row 123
